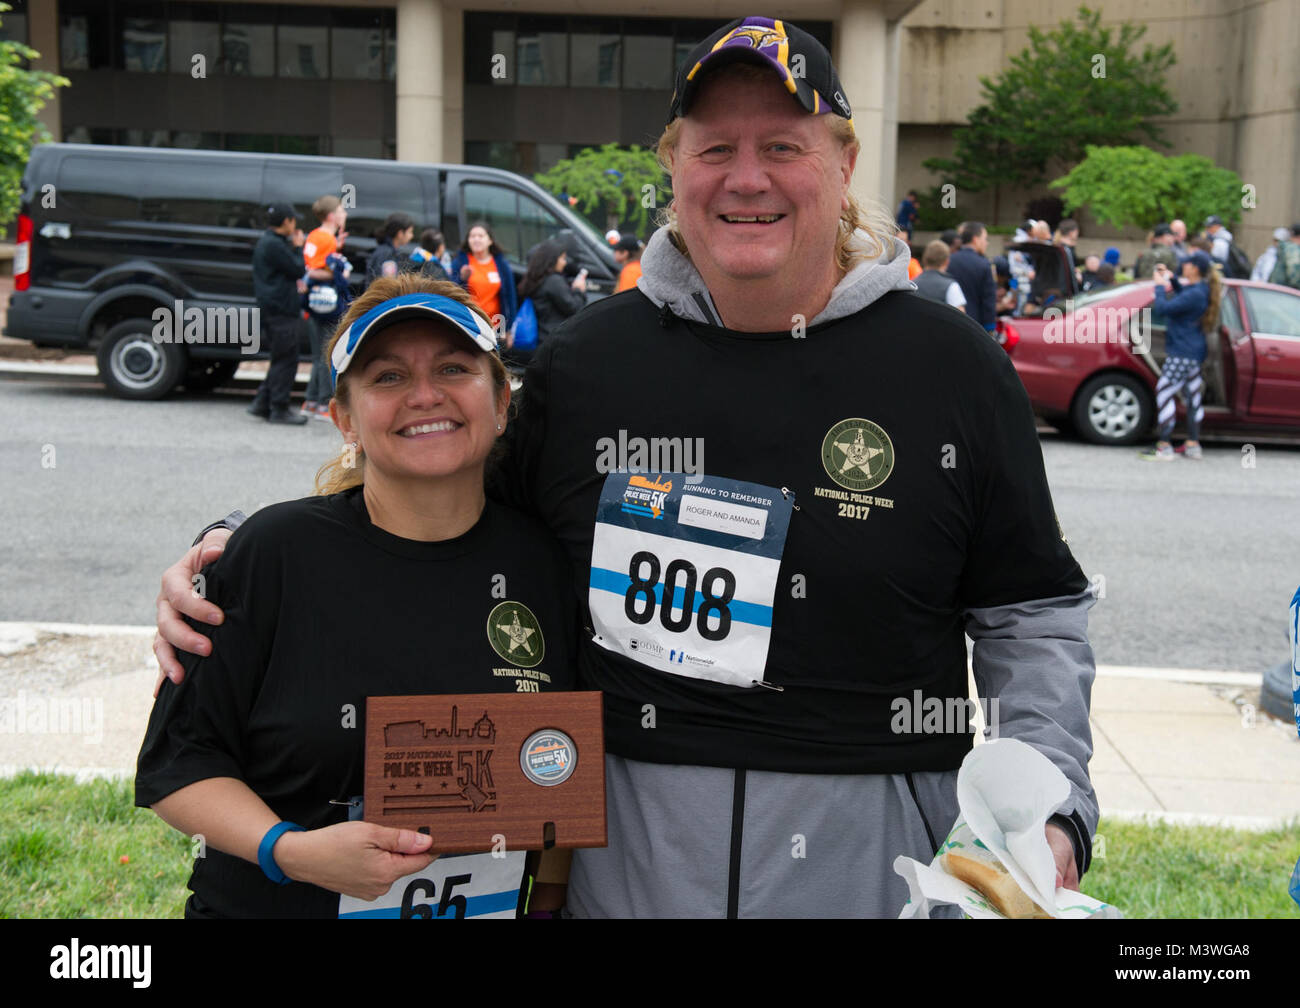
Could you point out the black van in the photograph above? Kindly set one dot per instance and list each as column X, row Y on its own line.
column 108, row 235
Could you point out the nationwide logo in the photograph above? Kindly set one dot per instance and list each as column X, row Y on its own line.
column 646, row 496
column 515, row 634
column 857, row 454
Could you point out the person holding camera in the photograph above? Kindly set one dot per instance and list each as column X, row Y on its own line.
column 1190, row 309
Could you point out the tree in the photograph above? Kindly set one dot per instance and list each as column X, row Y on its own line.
column 622, row 183
column 23, row 93
column 1135, row 186
column 1071, row 87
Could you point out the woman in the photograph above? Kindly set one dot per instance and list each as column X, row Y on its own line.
column 481, row 268
column 1191, row 309
column 553, row 299
column 381, row 585
column 386, row 260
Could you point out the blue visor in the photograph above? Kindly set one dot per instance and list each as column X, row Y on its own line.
column 400, row 309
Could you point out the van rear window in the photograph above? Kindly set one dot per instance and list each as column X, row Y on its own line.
column 166, row 190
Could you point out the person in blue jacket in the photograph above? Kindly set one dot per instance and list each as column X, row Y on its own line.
column 1190, row 310
column 482, row 269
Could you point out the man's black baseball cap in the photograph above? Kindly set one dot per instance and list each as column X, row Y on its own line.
column 1212, row 220
column 277, row 212
column 802, row 62
column 1161, row 230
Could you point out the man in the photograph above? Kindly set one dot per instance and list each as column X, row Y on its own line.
column 1161, row 252
column 1067, row 236
column 1287, row 269
column 970, row 269
column 908, row 213
column 1220, row 239
column 1263, row 268
column 627, row 253
column 752, row 768
column 936, row 284
column 1180, row 247
column 278, row 284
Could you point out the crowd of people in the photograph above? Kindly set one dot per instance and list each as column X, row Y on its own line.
column 1018, row 284
column 305, row 280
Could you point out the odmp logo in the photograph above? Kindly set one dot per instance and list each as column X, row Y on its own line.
column 857, row 454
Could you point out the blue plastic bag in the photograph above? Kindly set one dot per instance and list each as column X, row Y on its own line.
column 1293, row 631
column 525, row 327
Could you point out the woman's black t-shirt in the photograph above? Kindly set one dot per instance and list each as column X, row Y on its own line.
column 322, row 610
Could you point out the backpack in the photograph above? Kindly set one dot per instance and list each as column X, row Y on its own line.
column 525, row 326
column 1238, row 263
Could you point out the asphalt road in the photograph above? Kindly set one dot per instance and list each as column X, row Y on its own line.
column 1198, row 562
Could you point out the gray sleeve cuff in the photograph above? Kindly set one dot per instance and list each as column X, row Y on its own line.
column 1035, row 660
column 232, row 521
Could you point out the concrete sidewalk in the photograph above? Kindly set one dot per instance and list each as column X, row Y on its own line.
column 76, row 699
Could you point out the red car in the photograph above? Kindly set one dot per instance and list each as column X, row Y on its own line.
column 1091, row 366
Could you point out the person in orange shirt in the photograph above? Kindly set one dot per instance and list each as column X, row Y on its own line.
column 914, row 269
column 627, row 253
column 327, row 238
column 481, row 268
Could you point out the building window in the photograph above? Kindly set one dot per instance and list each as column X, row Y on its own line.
column 144, row 44
column 304, row 51
column 542, row 56
column 595, row 60
column 356, row 53
column 187, row 39
column 248, row 50
column 648, row 62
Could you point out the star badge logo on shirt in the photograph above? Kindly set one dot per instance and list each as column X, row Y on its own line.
column 515, row 634
column 857, row 454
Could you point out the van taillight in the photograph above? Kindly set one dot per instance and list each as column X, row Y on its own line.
column 23, row 254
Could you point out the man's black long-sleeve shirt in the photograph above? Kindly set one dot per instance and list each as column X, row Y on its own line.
column 277, row 268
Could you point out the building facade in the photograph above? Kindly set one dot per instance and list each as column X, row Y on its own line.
column 515, row 84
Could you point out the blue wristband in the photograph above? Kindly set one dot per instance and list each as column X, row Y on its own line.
column 266, row 859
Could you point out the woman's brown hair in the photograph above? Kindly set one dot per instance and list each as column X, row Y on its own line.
column 349, row 468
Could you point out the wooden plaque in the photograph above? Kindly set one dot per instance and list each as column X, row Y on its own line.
column 469, row 768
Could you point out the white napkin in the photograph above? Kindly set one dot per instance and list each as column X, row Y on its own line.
column 1006, row 791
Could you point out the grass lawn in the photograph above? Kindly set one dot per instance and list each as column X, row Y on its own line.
column 61, row 845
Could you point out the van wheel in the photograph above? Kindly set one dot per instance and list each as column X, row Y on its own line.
column 134, row 366
column 206, row 375
column 1113, row 409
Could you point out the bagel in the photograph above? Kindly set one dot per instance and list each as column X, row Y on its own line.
column 977, row 867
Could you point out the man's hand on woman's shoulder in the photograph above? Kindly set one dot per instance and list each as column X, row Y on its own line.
column 177, row 598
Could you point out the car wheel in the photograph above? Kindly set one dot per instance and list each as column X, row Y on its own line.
column 206, row 375
column 135, row 366
column 1112, row 409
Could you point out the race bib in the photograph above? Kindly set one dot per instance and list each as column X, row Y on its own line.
column 683, row 574
column 454, row 887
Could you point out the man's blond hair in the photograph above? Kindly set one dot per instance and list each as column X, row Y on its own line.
column 869, row 216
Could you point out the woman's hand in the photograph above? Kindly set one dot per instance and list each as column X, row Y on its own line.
column 465, row 271
column 181, row 595
column 357, row 859
column 580, row 283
